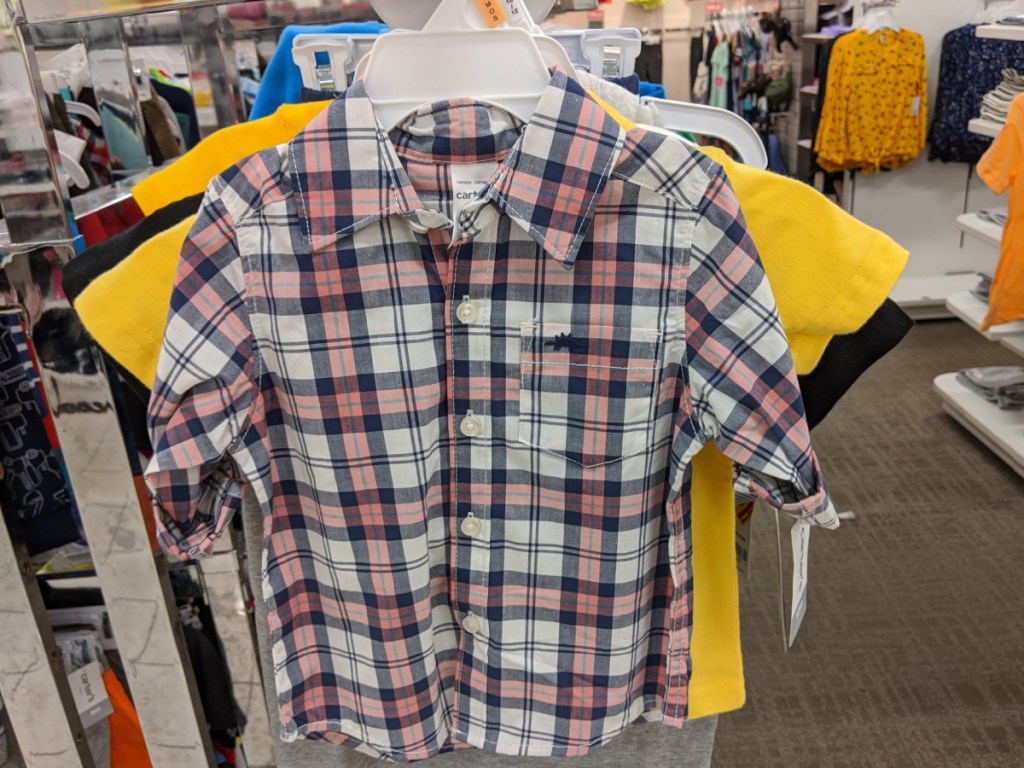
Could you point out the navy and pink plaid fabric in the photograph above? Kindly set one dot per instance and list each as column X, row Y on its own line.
column 473, row 457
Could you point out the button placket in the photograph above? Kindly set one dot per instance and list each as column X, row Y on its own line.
column 471, row 340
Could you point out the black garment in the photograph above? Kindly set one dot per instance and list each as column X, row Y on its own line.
column 847, row 357
column 823, row 61
column 696, row 57
column 212, row 679
column 182, row 104
column 649, row 63
column 103, row 257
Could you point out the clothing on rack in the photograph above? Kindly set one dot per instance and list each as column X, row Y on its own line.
column 196, row 489
column 184, row 107
column 162, row 130
column 801, row 254
column 650, row 63
column 999, row 168
column 970, row 67
column 875, row 113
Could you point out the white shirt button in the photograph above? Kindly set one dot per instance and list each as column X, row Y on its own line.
column 466, row 312
column 470, row 526
column 471, row 624
column 471, row 426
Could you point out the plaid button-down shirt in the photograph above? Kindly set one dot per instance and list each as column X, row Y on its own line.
column 473, row 456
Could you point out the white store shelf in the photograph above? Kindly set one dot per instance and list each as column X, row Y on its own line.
column 806, row 143
column 924, row 297
column 1001, row 431
column 972, row 311
column 984, row 127
column 1001, row 32
column 978, row 228
column 812, row 90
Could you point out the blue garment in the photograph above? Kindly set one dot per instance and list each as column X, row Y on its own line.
column 282, row 82
column 631, row 83
column 970, row 67
column 776, row 162
column 654, row 90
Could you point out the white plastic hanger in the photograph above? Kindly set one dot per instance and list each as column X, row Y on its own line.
column 70, row 149
column 456, row 56
column 879, row 16
column 839, row 10
column 715, row 123
column 78, row 108
column 601, row 52
column 344, row 52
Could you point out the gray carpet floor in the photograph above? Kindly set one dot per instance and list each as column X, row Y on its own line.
column 912, row 653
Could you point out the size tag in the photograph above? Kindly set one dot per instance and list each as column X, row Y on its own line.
column 744, row 519
column 514, row 13
column 468, row 179
column 915, row 107
column 90, row 694
column 492, row 11
column 801, row 536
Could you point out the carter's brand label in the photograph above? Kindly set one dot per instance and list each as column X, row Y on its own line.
column 90, row 694
column 468, row 180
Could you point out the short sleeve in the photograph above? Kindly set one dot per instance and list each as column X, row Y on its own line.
column 204, row 389
column 743, row 385
column 998, row 166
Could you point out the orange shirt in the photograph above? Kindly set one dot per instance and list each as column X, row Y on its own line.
column 999, row 168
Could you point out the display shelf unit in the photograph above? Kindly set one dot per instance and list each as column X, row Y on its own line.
column 924, row 297
column 972, row 311
column 983, row 127
column 1001, row 32
column 1001, row 431
column 978, row 228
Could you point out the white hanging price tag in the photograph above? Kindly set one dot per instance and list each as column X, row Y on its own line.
column 801, row 536
column 515, row 10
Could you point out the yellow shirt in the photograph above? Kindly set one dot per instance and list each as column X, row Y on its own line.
column 829, row 273
column 191, row 173
column 875, row 113
column 1000, row 168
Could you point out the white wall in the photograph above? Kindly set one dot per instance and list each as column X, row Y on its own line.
column 918, row 205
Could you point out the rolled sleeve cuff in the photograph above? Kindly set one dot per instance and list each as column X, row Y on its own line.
column 186, row 537
column 816, row 507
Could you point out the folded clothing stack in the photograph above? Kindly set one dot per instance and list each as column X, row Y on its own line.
column 984, row 287
column 995, row 216
column 1002, row 385
column 995, row 105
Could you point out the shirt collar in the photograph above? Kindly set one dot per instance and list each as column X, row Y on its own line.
column 346, row 172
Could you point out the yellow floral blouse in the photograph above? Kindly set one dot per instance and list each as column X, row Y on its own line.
column 875, row 113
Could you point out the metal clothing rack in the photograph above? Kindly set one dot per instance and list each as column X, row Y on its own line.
column 38, row 237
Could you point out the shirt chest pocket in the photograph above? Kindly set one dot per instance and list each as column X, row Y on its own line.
column 587, row 393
